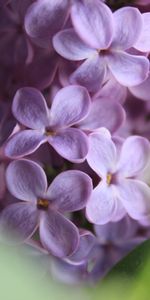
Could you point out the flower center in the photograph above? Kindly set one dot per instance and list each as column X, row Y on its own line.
column 49, row 131
column 42, row 204
column 109, row 178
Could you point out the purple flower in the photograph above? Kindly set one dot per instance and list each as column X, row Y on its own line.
column 70, row 106
column 101, row 38
column 44, row 206
column 119, row 192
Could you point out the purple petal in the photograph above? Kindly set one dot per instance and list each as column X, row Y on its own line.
column 70, row 105
column 102, row 154
column 86, row 243
column 112, row 90
column 128, row 25
column 94, row 22
column 90, row 74
column 23, row 143
column 128, row 69
column 26, row 180
column 134, row 156
column 70, row 191
column 142, row 91
column 58, row 235
column 30, row 108
column 143, row 43
column 116, row 232
column 44, row 18
column 71, row 144
column 135, row 196
column 69, row 45
column 18, row 222
column 101, row 206
column 104, row 113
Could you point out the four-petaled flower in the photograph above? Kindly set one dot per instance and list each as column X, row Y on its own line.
column 44, row 206
column 119, row 191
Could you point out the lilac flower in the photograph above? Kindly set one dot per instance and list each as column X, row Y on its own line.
column 101, row 39
column 115, row 240
column 44, row 206
column 119, row 192
column 70, row 105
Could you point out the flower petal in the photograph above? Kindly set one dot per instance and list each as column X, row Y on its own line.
column 135, row 196
column 116, row 232
column 102, row 154
column 71, row 144
column 134, row 156
column 128, row 24
column 44, row 18
column 142, row 91
column 103, row 113
column 69, row 45
column 90, row 74
column 30, row 108
column 58, row 235
column 23, row 143
column 101, row 206
column 70, row 105
column 70, row 191
column 26, row 180
column 86, row 243
column 94, row 22
column 128, row 69
column 18, row 222
column 143, row 43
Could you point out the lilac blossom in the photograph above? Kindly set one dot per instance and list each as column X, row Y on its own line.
column 101, row 38
column 113, row 197
column 43, row 206
column 70, row 105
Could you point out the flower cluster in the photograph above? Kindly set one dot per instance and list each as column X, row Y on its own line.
column 74, row 132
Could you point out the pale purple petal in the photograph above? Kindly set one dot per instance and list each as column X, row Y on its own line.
column 143, row 43
column 94, row 22
column 23, row 143
column 102, row 154
column 116, row 232
column 112, row 90
column 26, row 180
column 58, row 235
column 71, row 144
column 18, row 222
column 128, row 69
column 69, row 45
column 86, row 243
column 142, row 91
column 104, row 113
column 44, row 18
column 101, row 206
column 70, row 191
column 127, row 27
column 30, row 108
column 70, row 105
column 135, row 196
column 134, row 156
column 90, row 74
